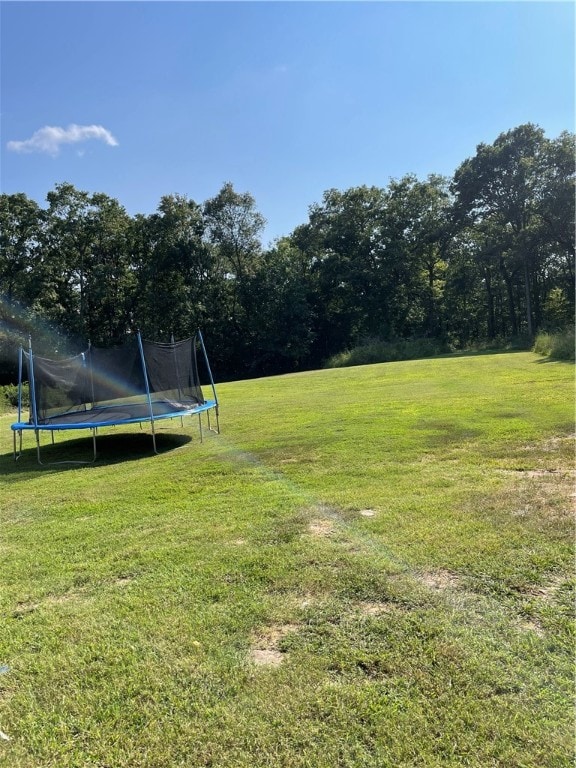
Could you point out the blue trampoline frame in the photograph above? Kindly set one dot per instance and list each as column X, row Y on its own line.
column 145, row 410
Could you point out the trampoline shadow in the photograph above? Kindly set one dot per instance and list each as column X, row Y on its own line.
column 77, row 453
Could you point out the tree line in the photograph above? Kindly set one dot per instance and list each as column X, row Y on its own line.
column 487, row 254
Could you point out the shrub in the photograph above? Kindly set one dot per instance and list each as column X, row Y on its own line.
column 386, row 352
column 9, row 396
column 557, row 346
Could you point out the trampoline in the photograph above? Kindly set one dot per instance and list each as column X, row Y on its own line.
column 139, row 382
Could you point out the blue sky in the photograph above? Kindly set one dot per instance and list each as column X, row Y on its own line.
column 285, row 100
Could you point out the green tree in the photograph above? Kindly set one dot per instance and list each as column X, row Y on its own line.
column 341, row 242
column 281, row 330
column 416, row 237
column 556, row 209
column 173, row 269
column 233, row 231
column 20, row 227
column 507, row 187
column 110, row 283
column 377, row 258
column 85, row 267
column 66, row 258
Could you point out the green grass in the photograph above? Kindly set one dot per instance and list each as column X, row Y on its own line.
column 369, row 567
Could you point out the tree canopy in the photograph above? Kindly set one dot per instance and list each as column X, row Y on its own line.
column 486, row 254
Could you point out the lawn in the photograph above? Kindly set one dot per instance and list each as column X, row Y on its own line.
column 369, row 567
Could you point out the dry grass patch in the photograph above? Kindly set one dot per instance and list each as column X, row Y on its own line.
column 376, row 608
column 367, row 512
column 545, row 591
column 439, row 579
column 265, row 657
column 25, row 607
column 532, row 625
column 265, row 647
column 321, row 527
column 542, row 494
column 123, row 581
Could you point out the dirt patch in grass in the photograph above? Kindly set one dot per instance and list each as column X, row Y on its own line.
column 264, row 657
column 368, row 608
column 367, row 512
column 544, row 591
column 532, row 625
column 265, row 647
column 544, row 472
column 321, row 527
column 307, row 600
column 122, row 581
column 439, row 580
column 544, row 495
column 25, row 607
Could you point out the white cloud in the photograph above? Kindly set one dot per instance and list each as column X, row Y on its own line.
column 50, row 138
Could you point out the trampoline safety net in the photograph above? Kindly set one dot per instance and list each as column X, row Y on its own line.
column 132, row 379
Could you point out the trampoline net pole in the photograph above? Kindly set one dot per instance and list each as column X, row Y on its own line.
column 91, row 373
column 176, row 367
column 201, row 339
column 33, row 408
column 20, row 355
column 147, row 385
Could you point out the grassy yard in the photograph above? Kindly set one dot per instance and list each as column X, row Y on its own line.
column 369, row 567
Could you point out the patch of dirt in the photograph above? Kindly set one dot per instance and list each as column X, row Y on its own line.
column 263, row 657
column 265, row 649
column 545, row 591
column 305, row 601
column 546, row 472
column 321, row 527
column 122, row 581
column 439, row 579
column 367, row 512
column 552, row 444
column 26, row 607
column 368, row 608
column 532, row 625
column 269, row 637
column 555, row 442
column 545, row 493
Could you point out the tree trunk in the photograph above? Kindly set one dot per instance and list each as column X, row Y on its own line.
column 491, row 324
column 510, row 295
column 528, row 297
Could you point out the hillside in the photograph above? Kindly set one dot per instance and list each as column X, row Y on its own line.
column 368, row 567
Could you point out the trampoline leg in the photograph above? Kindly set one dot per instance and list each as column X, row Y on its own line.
column 153, row 437
column 200, row 427
column 18, row 453
column 17, row 448
column 217, row 430
column 38, row 445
